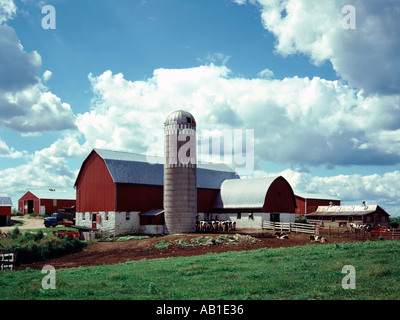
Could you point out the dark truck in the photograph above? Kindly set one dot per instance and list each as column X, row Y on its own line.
column 65, row 216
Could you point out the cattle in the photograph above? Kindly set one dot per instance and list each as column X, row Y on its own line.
column 316, row 238
column 281, row 235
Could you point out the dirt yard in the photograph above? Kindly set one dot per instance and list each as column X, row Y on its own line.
column 27, row 221
column 107, row 253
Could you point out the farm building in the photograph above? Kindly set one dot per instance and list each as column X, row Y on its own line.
column 45, row 202
column 343, row 215
column 309, row 202
column 5, row 209
column 122, row 192
column 249, row 202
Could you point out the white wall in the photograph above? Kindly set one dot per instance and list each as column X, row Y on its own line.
column 114, row 222
column 246, row 222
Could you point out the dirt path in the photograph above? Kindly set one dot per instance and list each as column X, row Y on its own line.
column 107, row 253
column 27, row 221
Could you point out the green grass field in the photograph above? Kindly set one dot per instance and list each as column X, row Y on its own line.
column 304, row 272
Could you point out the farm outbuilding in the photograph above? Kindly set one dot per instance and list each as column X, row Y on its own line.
column 45, row 202
column 5, row 209
column 309, row 202
column 114, row 189
column 344, row 215
column 249, row 202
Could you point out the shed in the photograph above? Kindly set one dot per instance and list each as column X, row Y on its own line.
column 342, row 215
column 5, row 209
column 309, row 202
column 45, row 202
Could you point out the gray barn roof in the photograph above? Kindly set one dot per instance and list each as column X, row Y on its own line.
column 317, row 196
column 126, row 167
column 5, row 200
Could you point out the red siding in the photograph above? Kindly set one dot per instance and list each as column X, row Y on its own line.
column 136, row 197
column 51, row 208
column 280, row 197
column 312, row 204
column 5, row 211
column 205, row 200
column 95, row 189
column 155, row 220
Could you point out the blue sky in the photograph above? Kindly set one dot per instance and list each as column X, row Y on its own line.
column 323, row 101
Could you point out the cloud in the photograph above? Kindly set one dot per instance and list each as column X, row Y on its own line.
column 266, row 73
column 35, row 110
column 7, row 10
column 299, row 121
column 9, row 152
column 18, row 68
column 366, row 57
column 47, row 75
column 26, row 105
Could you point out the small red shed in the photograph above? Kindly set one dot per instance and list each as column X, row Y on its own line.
column 5, row 209
column 45, row 202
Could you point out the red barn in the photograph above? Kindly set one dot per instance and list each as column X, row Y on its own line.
column 249, row 202
column 308, row 202
column 45, row 202
column 5, row 209
column 113, row 189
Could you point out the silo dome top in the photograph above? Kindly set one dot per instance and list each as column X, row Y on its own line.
column 180, row 117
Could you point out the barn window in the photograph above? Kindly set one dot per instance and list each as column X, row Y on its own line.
column 251, row 217
column 239, row 216
column 149, row 220
column 275, row 217
column 54, row 202
column 106, row 215
column 83, row 216
column 350, row 218
column 128, row 216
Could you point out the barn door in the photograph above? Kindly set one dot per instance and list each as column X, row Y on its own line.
column 94, row 221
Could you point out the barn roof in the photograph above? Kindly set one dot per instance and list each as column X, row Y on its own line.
column 359, row 210
column 317, row 196
column 126, row 167
column 244, row 193
column 5, row 200
column 59, row 195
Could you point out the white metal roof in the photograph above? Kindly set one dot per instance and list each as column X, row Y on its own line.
column 59, row 195
column 243, row 193
column 358, row 210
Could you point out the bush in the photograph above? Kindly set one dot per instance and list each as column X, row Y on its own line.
column 36, row 247
column 15, row 233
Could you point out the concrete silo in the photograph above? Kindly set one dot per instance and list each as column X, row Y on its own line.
column 180, row 203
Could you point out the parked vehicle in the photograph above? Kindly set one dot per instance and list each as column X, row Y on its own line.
column 64, row 216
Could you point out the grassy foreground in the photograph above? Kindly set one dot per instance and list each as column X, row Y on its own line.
column 304, row 272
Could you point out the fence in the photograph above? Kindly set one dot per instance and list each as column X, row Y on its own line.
column 393, row 234
column 290, row 226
